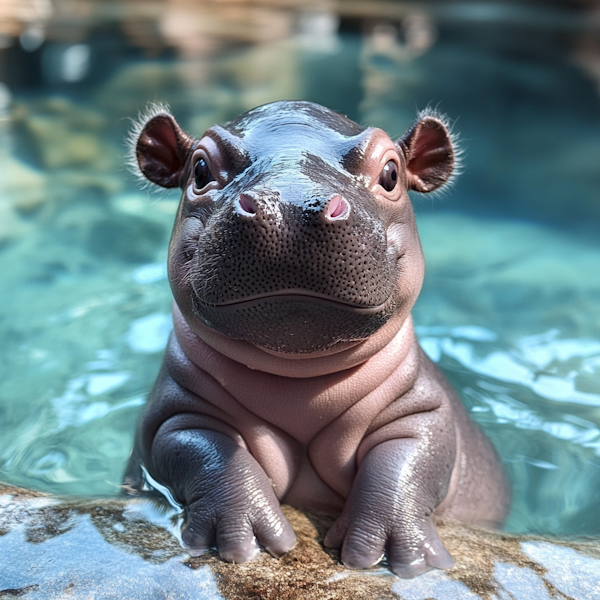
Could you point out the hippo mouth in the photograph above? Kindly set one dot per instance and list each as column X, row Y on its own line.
column 302, row 296
column 294, row 321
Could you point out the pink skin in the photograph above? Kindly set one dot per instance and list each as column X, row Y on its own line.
column 366, row 428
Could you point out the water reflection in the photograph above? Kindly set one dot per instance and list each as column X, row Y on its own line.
column 548, row 366
column 530, row 389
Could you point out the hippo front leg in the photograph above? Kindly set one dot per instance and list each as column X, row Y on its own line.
column 227, row 496
column 390, row 509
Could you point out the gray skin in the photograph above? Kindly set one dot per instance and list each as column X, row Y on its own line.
column 293, row 373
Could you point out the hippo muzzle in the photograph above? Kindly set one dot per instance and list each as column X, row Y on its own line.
column 294, row 272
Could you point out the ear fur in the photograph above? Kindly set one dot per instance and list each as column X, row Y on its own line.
column 430, row 152
column 160, row 147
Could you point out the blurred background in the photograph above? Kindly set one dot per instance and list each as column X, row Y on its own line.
column 511, row 303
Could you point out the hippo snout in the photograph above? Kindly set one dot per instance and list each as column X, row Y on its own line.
column 249, row 204
column 292, row 278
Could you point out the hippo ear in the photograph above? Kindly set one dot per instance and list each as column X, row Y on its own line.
column 161, row 149
column 429, row 152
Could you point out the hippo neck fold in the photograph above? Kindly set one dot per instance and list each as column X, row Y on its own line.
column 398, row 333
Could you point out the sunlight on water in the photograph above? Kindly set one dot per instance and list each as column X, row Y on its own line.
column 530, row 389
column 526, row 363
column 510, row 307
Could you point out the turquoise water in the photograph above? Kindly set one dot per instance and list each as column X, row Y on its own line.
column 511, row 303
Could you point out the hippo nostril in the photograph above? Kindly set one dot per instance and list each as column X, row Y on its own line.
column 337, row 208
column 247, row 204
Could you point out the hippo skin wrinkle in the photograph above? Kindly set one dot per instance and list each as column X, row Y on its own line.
column 293, row 373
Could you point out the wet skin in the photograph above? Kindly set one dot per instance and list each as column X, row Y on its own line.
column 293, row 373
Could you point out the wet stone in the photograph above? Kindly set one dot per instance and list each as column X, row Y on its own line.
column 125, row 549
column 63, row 134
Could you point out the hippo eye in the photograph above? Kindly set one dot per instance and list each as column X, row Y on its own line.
column 202, row 174
column 389, row 176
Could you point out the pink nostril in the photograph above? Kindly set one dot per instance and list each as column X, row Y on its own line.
column 247, row 204
column 337, row 208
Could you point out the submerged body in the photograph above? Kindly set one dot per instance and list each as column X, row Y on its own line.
column 293, row 373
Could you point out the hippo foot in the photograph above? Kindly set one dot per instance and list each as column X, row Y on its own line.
column 238, row 533
column 411, row 548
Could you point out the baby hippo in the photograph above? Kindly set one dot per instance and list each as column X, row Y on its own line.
column 293, row 373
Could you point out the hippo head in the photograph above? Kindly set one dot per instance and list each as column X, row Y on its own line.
column 295, row 231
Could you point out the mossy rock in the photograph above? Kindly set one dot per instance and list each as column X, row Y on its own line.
column 125, row 549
